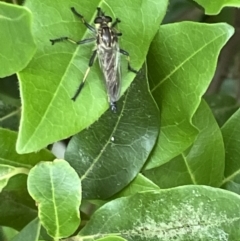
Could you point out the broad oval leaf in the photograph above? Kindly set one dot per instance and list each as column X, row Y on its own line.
column 17, row 44
column 230, row 132
column 214, row 7
column 203, row 163
column 51, row 79
column 112, row 151
column 182, row 61
column 184, row 213
column 56, row 188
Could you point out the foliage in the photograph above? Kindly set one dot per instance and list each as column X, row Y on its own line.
column 164, row 167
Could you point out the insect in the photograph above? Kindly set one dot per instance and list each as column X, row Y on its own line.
column 107, row 50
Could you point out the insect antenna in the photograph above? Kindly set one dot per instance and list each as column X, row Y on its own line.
column 100, row 12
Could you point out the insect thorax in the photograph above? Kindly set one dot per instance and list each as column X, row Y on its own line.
column 106, row 37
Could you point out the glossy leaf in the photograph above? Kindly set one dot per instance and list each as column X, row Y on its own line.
column 180, row 70
column 56, row 188
column 112, row 151
column 16, row 206
column 223, row 106
column 215, row 6
column 139, row 184
column 203, row 163
column 9, row 156
column 52, row 77
column 184, row 213
column 17, row 45
column 231, row 132
column 177, row 9
column 30, row 232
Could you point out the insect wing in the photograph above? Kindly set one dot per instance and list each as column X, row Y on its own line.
column 109, row 61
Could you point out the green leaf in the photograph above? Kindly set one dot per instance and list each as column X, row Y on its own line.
column 9, row 116
column 30, row 232
column 10, row 103
column 8, row 233
column 184, row 213
column 202, row 163
column 17, row 208
column 223, row 106
column 112, row 151
column 139, row 184
column 9, row 90
column 112, row 238
column 230, row 132
column 9, row 156
column 56, row 188
column 51, row 79
column 179, row 8
column 213, row 7
column 6, row 172
column 180, row 70
column 17, row 45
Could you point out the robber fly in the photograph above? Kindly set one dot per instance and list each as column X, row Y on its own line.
column 107, row 50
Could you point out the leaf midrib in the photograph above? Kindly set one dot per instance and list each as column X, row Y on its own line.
column 55, row 93
column 185, row 61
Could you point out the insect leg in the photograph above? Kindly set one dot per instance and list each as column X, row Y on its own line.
column 114, row 24
column 84, row 41
column 94, row 54
column 128, row 59
column 90, row 27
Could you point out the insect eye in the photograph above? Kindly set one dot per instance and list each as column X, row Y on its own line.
column 98, row 20
column 108, row 19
